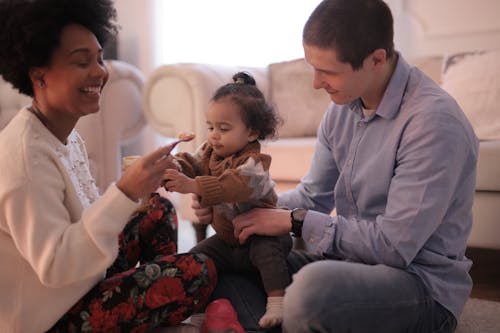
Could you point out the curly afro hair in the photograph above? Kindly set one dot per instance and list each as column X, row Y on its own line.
column 256, row 113
column 31, row 30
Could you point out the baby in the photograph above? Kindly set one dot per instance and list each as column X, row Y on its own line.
column 230, row 174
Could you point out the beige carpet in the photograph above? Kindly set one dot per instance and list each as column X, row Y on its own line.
column 480, row 316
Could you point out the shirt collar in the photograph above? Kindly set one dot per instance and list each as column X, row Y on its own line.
column 391, row 100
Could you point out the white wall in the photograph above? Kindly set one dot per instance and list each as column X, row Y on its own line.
column 437, row 27
column 230, row 32
column 135, row 40
column 135, row 46
column 422, row 27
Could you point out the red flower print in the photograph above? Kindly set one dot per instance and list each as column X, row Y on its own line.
column 140, row 301
column 95, row 306
column 204, row 293
column 101, row 320
column 142, row 316
column 133, row 249
column 189, row 266
column 109, row 324
column 146, row 227
column 169, row 259
column 155, row 214
column 177, row 316
column 125, row 311
column 111, row 283
column 164, row 291
column 72, row 327
column 189, row 299
column 167, row 248
column 140, row 329
column 97, row 316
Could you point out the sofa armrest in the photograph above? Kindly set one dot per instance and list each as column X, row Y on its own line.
column 176, row 96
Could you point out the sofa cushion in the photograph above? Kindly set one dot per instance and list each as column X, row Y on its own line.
column 488, row 170
column 473, row 78
column 291, row 157
column 298, row 103
column 430, row 65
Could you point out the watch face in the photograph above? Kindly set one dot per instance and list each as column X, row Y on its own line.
column 299, row 214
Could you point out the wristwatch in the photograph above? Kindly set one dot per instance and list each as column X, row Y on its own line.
column 297, row 217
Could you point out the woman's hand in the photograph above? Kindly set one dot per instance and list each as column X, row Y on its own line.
column 144, row 176
column 262, row 221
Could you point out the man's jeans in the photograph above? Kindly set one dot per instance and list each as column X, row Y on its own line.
column 339, row 296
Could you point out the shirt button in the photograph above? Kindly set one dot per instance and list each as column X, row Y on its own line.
column 349, row 163
column 361, row 124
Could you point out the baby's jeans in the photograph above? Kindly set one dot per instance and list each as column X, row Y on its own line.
column 262, row 254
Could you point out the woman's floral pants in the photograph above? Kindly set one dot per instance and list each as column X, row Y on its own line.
column 163, row 290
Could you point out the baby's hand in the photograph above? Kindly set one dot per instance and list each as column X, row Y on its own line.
column 176, row 181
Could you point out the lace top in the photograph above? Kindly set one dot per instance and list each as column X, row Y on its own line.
column 72, row 156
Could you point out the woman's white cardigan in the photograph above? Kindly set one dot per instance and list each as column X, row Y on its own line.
column 57, row 237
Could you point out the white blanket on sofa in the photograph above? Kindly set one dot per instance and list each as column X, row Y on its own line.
column 473, row 78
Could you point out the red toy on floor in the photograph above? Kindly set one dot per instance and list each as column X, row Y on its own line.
column 221, row 318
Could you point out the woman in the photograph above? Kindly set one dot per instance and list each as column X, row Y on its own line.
column 62, row 269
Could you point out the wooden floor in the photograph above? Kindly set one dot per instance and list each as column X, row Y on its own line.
column 485, row 273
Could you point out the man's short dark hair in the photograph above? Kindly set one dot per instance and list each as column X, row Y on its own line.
column 353, row 28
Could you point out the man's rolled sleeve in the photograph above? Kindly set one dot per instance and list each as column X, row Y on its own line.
column 319, row 230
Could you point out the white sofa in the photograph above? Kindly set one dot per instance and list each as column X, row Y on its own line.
column 113, row 132
column 176, row 96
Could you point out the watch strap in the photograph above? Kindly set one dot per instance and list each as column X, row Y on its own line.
column 297, row 217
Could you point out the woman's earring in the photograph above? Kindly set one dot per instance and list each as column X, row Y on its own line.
column 42, row 83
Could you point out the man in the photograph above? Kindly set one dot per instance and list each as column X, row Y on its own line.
column 396, row 157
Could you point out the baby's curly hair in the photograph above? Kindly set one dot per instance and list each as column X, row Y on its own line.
column 256, row 113
column 31, row 30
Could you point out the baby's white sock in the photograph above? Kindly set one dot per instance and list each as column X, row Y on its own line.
column 274, row 312
column 197, row 319
column 181, row 328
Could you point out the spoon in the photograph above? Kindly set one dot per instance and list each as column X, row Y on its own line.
column 183, row 137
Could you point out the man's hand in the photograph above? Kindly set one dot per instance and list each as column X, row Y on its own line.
column 204, row 214
column 262, row 221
